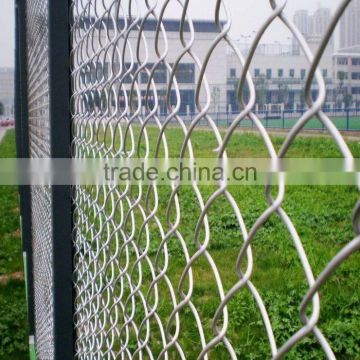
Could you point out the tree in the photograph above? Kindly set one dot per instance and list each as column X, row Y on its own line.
column 343, row 96
column 1, row 108
column 347, row 99
column 283, row 94
column 302, row 100
column 261, row 87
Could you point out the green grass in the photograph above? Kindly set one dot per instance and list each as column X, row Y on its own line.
column 13, row 322
column 323, row 218
column 241, row 144
column 13, row 318
column 287, row 123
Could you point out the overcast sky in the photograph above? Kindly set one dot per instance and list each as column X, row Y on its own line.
column 247, row 16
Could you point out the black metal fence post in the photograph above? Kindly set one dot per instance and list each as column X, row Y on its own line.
column 60, row 139
column 266, row 119
column 347, row 119
column 22, row 150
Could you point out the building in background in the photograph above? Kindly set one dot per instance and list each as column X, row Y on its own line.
column 350, row 26
column 94, row 73
column 7, row 90
column 279, row 71
column 302, row 22
column 346, row 64
column 313, row 28
column 279, row 78
column 319, row 23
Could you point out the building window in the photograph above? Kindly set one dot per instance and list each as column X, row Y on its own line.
column 325, row 73
column 314, row 94
column 355, row 75
column 303, row 74
column 232, row 100
column 268, row 97
column 162, row 98
column 92, row 69
column 355, row 90
column 144, row 77
column 268, row 74
column 257, row 72
column 292, row 73
column 280, row 73
column 342, row 61
column 160, row 75
column 147, row 99
column 185, row 73
column 355, row 61
column 342, row 75
column 187, row 101
column 233, row 73
column 99, row 71
column 128, row 78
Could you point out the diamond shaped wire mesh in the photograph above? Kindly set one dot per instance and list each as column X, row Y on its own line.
column 129, row 303
column 39, row 142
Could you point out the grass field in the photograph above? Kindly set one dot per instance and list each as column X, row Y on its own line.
column 322, row 216
column 13, row 322
column 353, row 124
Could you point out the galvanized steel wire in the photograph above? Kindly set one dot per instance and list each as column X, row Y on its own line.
column 117, row 312
column 39, row 143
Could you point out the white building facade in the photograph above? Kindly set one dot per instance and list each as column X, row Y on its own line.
column 98, row 67
column 278, row 71
column 279, row 79
column 346, row 74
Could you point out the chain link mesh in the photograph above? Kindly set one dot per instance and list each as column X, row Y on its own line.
column 134, row 293
column 39, row 142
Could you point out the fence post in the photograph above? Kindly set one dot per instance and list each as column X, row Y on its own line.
column 60, row 130
column 266, row 119
column 347, row 119
column 283, row 119
column 22, row 151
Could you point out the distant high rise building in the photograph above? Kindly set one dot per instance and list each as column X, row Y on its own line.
column 302, row 21
column 350, row 25
column 312, row 27
column 320, row 22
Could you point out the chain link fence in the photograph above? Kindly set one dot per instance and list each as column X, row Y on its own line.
column 141, row 253
column 42, row 131
column 39, row 146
